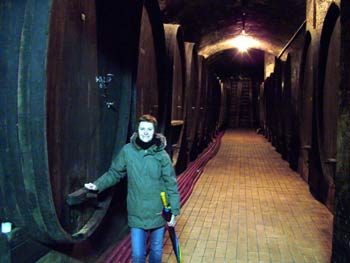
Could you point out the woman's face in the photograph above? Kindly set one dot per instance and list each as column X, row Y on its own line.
column 146, row 131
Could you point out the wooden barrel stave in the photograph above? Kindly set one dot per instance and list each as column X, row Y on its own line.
column 12, row 17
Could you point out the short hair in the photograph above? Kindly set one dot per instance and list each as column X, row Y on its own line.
column 148, row 118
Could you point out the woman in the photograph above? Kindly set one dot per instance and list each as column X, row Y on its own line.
column 149, row 171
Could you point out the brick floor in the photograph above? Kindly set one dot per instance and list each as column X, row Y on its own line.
column 249, row 206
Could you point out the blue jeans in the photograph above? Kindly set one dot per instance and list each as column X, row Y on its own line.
column 138, row 244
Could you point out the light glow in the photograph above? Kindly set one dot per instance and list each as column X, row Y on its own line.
column 224, row 44
column 243, row 42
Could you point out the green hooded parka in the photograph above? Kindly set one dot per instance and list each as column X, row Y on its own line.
column 149, row 172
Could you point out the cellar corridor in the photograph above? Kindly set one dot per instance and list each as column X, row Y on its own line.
column 249, row 206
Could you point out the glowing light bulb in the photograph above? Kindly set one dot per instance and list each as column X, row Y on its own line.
column 243, row 42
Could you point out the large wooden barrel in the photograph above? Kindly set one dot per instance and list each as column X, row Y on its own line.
column 271, row 91
column 202, row 136
column 192, row 97
column 59, row 128
column 291, row 95
column 222, row 121
column 267, row 99
column 255, row 118
column 177, row 80
column 234, row 91
column 326, row 104
column 279, row 142
column 262, row 108
column 176, row 63
column 265, row 108
column 214, row 97
column 153, row 95
column 305, row 106
column 287, row 110
column 119, row 27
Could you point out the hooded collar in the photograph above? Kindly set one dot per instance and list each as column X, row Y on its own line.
column 159, row 145
column 145, row 145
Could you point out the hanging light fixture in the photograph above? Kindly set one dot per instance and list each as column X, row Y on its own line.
column 243, row 42
column 243, row 24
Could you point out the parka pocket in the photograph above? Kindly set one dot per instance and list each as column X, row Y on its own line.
column 146, row 206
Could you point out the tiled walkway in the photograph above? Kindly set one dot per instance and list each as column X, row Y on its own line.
column 249, row 206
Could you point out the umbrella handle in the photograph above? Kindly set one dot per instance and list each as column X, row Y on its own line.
column 163, row 197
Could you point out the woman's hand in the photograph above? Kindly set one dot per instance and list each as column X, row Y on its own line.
column 172, row 221
column 91, row 186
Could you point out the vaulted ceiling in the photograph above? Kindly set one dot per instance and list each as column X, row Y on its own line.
column 213, row 23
